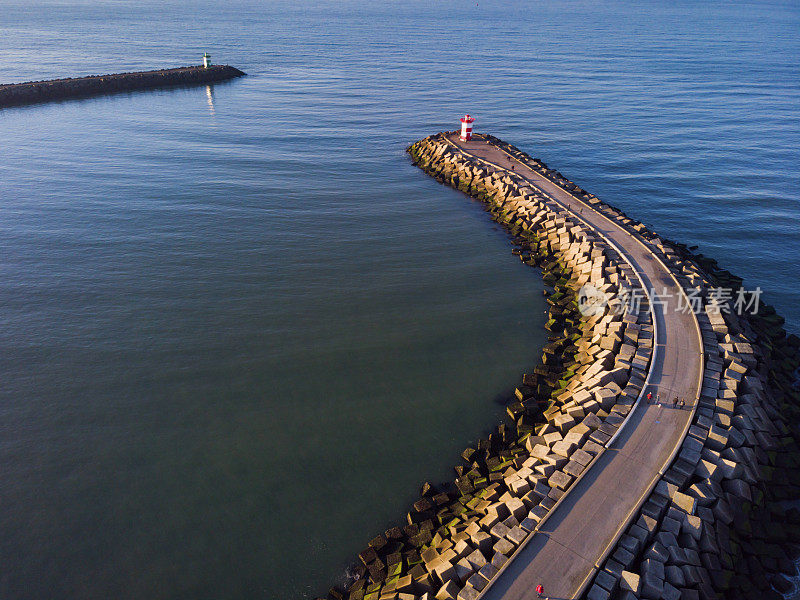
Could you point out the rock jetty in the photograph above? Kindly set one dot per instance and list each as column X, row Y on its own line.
column 566, row 410
column 14, row 94
column 722, row 521
column 716, row 508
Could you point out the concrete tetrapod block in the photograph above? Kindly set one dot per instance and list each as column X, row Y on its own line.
column 517, row 535
column 564, row 448
column 564, row 422
column 730, row 469
column 541, row 489
column 482, row 541
column 545, row 469
column 739, row 488
column 685, row 502
column 657, row 552
column 592, row 421
column 538, row 513
column 606, row 580
column 503, row 547
column 674, row 575
column 708, row 470
column 598, row 593
column 630, row 543
column 623, row 557
column 652, row 587
column 495, row 513
column 488, row 521
column 424, row 583
column 670, row 593
column 405, row 583
column 631, row 582
column 655, row 507
column 531, row 499
column 540, row 451
column 488, row 571
column 703, row 492
column 614, row 568
column 578, row 434
column 517, row 508
column 556, row 460
column 606, row 398
column 560, row 480
column 693, row 526
column 552, row 438
column 499, row 531
column 639, row 533
column 666, row 489
column 520, row 487
column 448, row 591
column 463, row 570
column 582, row 457
column 468, row 593
column 717, row 437
column 442, row 569
column 477, row 559
column 477, row 582
column 573, row 468
column 498, row 560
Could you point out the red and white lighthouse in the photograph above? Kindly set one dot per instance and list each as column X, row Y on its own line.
column 466, row 128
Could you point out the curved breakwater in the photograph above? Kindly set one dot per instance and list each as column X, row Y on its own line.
column 567, row 410
column 683, row 536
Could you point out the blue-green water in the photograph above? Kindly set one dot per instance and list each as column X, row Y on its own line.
column 238, row 328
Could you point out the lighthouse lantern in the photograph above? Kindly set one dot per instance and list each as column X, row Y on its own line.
column 466, row 128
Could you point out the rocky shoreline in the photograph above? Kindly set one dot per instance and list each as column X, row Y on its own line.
column 14, row 94
column 593, row 370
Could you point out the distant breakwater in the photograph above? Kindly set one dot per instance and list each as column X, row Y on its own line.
column 714, row 524
column 32, row 92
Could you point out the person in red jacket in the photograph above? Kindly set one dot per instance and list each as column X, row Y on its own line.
column 539, row 590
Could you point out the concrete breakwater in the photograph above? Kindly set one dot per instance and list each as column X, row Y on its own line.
column 714, row 522
column 709, row 523
column 13, row 94
column 718, row 523
column 567, row 410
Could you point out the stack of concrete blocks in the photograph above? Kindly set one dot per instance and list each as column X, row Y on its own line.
column 680, row 546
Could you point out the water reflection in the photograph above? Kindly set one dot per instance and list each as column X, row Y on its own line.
column 210, row 98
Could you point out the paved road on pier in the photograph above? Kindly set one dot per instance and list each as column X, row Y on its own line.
column 564, row 553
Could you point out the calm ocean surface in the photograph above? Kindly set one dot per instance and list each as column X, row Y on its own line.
column 238, row 329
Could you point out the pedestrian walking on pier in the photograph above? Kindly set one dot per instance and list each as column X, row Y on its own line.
column 649, row 397
column 539, row 590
